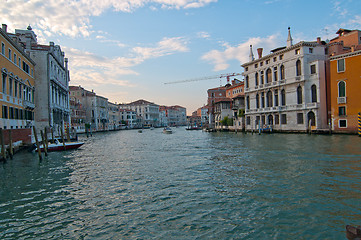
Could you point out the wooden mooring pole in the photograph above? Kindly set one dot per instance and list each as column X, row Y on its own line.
column 11, row 148
column 37, row 143
column 3, row 152
column 44, row 143
column 62, row 137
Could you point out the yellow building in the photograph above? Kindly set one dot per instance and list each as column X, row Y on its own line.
column 17, row 84
column 345, row 86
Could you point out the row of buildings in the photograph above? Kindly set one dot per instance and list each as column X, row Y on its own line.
column 296, row 88
column 89, row 109
column 35, row 91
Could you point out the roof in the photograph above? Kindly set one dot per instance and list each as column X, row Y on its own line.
column 224, row 99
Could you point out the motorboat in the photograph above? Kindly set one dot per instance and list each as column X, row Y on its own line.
column 167, row 130
column 59, row 146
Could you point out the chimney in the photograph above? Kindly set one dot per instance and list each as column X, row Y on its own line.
column 259, row 51
column 5, row 28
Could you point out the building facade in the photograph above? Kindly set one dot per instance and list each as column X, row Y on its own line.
column 17, row 86
column 147, row 111
column 286, row 89
column 214, row 95
column 52, row 81
column 345, row 80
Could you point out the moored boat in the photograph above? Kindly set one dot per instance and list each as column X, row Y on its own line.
column 58, row 146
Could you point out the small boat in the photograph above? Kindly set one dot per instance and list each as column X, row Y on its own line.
column 140, row 130
column 167, row 130
column 58, row 146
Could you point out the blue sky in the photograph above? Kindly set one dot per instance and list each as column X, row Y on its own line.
column 126, row 49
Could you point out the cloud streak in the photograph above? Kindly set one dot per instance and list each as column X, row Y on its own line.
column 240, row 53
column 72, row 17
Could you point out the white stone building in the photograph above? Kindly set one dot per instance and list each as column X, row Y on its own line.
column 52, row 81
column 114, row 116
column 286, row 89
column 148, row 111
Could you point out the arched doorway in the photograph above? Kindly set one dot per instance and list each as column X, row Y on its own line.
column 311, row 119
column 270, row 119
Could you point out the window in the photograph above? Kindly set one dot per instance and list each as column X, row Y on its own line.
column 299, row 118
column 257, row 100
column 247, row 102
column 268, row 76
column 298, row 68
column 246, row 69
column 19, row 62
column 269, row 99
column 10, row 86
column 262, row 77
column 248, row 120
column 282, row 76
column 277, row 119
column 342, row 111
column 3, row 48
column 261, row 64
column 342, row 123
column 313, row 93
column 19, row 90
column 313, row 69
column 262, row 100
column 310, row 50
column 297, row 51
column 14, row 58
column 341, row 65
column 25, row 67
column 256, row 79
column 274, row 59
column 4, row 82
column 299, row 95
column 342, row 89
column 276, row 97
column 256, row 65
column 16, row 89
column 10, row 54
column 275, row 74
column 5, row 112
column 283, row 97
column 11, row 112
column 283, row 119
column 247, row 82
column 281, row 57
column 267, row 61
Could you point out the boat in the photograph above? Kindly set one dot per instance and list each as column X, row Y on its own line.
column 58, row 146
column 193, row 128
column 167, row 130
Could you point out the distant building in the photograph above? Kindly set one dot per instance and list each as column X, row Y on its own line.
column 286, row 89
column 129, row 118
column 176, row 115
column 236, row 93
column 52, row 78
column 77, row 110
column 345, row 80
column 148, row 111
column 114, row 116
column 214, row 95
column 17, row 87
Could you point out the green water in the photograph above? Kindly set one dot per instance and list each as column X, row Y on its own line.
column 185, row 185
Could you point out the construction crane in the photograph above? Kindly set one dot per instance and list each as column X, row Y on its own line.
column 227, row 75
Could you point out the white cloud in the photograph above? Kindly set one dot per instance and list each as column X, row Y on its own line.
column 221, row 59
column 91, row 70
column 72, row 17
column 205, row 35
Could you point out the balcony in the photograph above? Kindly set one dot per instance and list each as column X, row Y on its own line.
column 28, row 104
column 341, row 100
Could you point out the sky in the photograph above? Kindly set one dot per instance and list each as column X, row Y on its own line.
column 125, row 50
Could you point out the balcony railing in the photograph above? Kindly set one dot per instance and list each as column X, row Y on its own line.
column 341, row 100
column 28, row 104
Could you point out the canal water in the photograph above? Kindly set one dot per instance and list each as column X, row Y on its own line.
column 185, row 185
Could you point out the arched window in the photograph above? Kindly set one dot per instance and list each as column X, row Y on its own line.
column 262, row 82
column 247, row 83
column 247, row 102
column 262, row 100
column 269, row 99
column 299, row 95
column 311, row 119
column 313, row 93
column 282, row 72
column 256, row 79
column 268, row 76
column 276, row 97
column 342, row 89
column 257, row 100
column 275, row 74
column 298, row 68
column 283, row 97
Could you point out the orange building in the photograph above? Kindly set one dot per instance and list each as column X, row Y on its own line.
column 345, row 80
column 17, row 84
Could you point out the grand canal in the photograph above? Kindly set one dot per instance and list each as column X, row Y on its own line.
column 185, row 185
